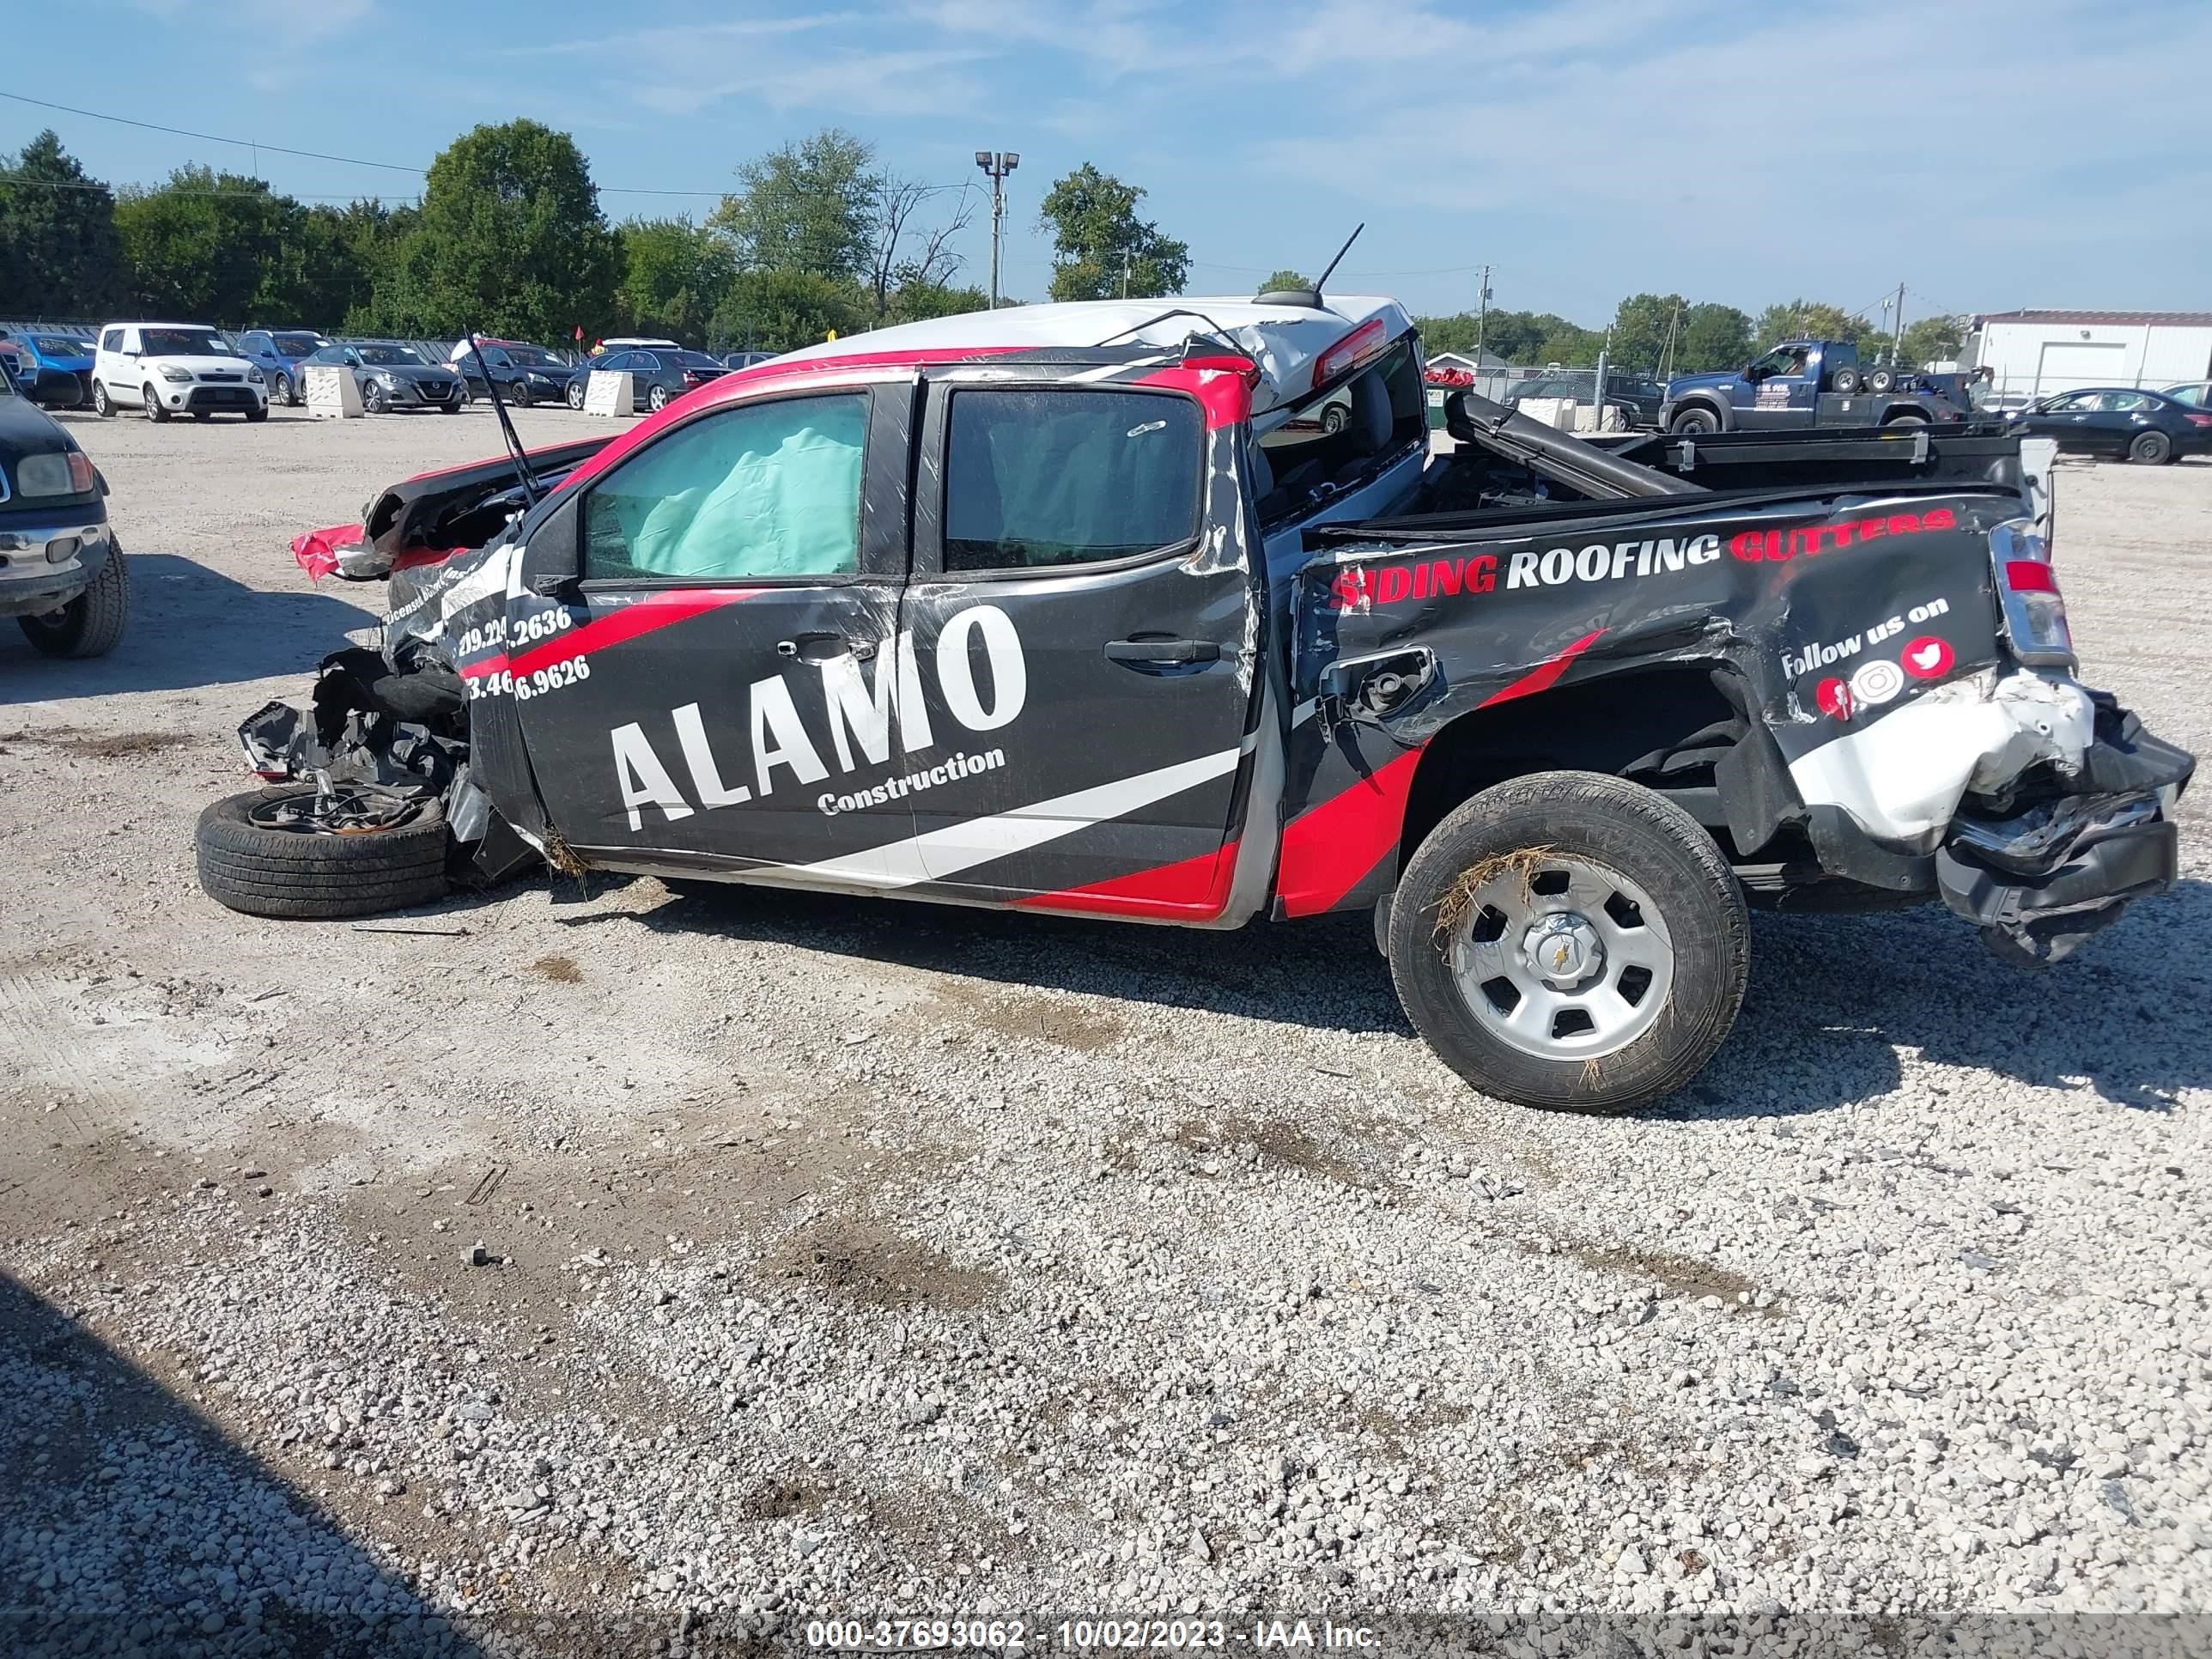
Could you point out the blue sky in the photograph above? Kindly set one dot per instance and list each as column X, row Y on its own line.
column 1988, row 154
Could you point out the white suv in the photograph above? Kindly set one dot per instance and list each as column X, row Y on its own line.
column 174, row 368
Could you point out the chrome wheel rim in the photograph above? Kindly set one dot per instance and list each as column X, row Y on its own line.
column 1558, row 957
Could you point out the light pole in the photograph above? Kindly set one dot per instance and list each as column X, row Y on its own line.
column 996, row 165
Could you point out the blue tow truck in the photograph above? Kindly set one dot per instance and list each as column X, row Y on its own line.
column 1812, row 383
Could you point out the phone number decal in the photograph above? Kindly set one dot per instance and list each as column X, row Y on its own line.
column 538, row 682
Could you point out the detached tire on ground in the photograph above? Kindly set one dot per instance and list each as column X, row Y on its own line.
column 91, row 624
column 1571, row 942
column 250, row 863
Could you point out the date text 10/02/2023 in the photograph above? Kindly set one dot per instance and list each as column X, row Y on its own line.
column 1090, row 1634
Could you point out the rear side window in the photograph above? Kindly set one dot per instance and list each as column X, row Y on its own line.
column 111, row 341
column 1043, row 478
column 764, row 489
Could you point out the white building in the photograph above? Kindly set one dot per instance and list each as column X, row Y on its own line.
column 2033, row 354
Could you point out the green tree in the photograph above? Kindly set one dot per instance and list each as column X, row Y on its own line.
column 1641, row 326
column 674, row 274
column 203, row 247
column 811, row 207
column 509, row 240
column 1932, row 340
column 1100, row 247
column 1812, row 319
column 914, row 301
column 60, row 252
column 1282, row 279
column 1711, row 336
column 782, row 310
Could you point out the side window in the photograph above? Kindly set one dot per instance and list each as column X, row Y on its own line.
column 645, row 363
column 1043, row 478
column 618, row 363
column 764, row 489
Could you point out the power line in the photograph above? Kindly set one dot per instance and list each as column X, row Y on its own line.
column 266, row 195
column 311, row 155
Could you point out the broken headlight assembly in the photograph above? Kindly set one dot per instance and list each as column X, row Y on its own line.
column 2028, row 600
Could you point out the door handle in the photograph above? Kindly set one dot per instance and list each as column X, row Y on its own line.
column 1162, row 651
column 824, row 647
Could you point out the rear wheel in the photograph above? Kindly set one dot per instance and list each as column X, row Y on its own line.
column 290, row 851
column 1571, row 941
column 1906, row 417
column 2150, row 448
column 91, row 624
column 1695, row 419
column 657, row 399
column 155, row 413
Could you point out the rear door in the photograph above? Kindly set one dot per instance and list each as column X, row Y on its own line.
column 1085, row 617
column 708, row 698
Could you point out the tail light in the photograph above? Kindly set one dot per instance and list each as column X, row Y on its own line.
column 2198, row 420
column 2032, row 609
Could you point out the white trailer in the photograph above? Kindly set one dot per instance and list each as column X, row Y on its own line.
column 2034, row 354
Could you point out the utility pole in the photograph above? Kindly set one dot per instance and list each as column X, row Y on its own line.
column 1667, row 355
column 1125, row 273
column 996, row 165
column 1481, row 316
column 1897, row 339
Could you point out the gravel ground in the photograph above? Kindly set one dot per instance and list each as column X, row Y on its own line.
column 627, row 1267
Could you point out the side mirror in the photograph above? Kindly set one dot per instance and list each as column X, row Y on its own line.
column 553, row 557
column 1753, row 373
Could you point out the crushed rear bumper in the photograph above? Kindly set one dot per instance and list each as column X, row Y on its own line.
column 2040, row 881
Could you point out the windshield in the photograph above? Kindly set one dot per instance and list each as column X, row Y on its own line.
column 55, row 345
column 297, row 345
column 385, row 356
column 184, row 343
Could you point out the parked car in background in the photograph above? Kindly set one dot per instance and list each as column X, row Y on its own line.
column 734, row 361
column 391, row 375
column 174, row 368
column 2198, row 394
column 50, row 367
column 659, row 378
column 525, row 373
column 61, row 573
column 2119, row 422
column 1637, row 397
column 632, row 342
column 277, row 352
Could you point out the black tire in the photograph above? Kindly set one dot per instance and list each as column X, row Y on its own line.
column 280, row 388
column 1846, row 382
column 1881, row 380
column 1696, row 418
column 575, row 395
column 1905, row 417
column 1333, row 418
column 373, row 401
column 657, row 399
column 2150, row 449
column 452, row 408
column 155, row 413
column 102, row 404
column 259, row 412
column 251, row 868
column 203, row 414
column 1622, row 830
column 91, row 624
column 519, row 394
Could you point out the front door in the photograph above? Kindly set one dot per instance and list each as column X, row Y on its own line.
column 1084, row 615
column 712, row 701
column 1784, row 394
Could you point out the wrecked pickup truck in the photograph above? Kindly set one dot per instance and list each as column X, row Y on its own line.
column 1018, row 609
